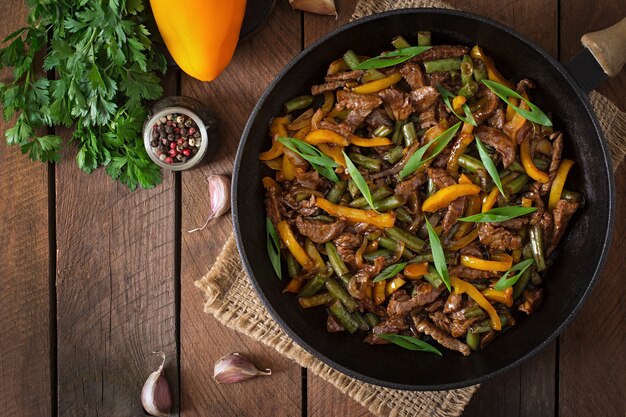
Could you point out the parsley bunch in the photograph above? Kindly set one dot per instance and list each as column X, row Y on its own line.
column 105, row 68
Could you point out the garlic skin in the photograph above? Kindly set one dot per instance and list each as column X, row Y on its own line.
column 155, row 394
column 325, row 7
column 234, row 368
column 219, row 198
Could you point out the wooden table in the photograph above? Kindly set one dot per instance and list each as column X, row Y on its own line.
column 94, row 277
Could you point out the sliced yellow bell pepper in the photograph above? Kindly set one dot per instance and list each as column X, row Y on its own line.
column 288, row 238
column 378, row 85
column 490, row 200
column 515, row 121
column 492, row 72
column 505, row 296
column 275, row 151
column 435, row 131
column 277, row 130
column 464, row 241
column 379, row 292
column 415, row 271
column 559, row 182
column 336, row 66
column 329, row 100
column 485, row 265
column 335, row 152
column 369, row 142
column 313, row 253
column 301, row 134
column 393, row 284
column 457, row 104
column 446, row 195
column 325, row 136
column 528, row 164
column 288, row 168
column 269, row 182
column 461, row 287
column 382, row 220
column 463, row 179
column 277, row 126
column 294, row 285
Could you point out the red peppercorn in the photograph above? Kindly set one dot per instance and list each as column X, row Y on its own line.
column 176, row 130
column 192, row 130
column 173, row 145
column 169, row 160
column 180, row 141
column 173, row 152
column 186, row 152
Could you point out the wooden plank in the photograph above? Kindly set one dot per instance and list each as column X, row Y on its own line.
column 203, row 340
column 115, row 289
column 25, row 382
column 592, row 362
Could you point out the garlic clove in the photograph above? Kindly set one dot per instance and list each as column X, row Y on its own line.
column 325, row 7
column 234, row 368
column 155, row 394
column 219, row 198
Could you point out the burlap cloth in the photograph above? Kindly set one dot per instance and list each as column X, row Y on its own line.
column 234, row 303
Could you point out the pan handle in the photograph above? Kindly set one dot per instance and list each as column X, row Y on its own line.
column 604, row 56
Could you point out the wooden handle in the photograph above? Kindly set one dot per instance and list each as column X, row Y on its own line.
column 608, row 47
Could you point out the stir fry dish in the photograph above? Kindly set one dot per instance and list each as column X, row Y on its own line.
column 417, row 196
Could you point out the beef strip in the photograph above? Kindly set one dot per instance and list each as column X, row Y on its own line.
column 459, row 327
column 316, row 90
column 497, row 119
column 562, row 213
column 398, row 102
column 347, row 243
column 423, row 98
column 514, row 224
column 356, row 117
column 453, row 303
column 427, row 119
column 454, row 211
column 486, row 105
column 531, row 300
column 378, row 117
column 272, row 205
column 440, row 177
column 413, row 75
column 470, row 273
column 307, row 207
column 311, row 180
column 319, row 231
column 441, row 52
column 340, row 128
column 333, row 325
column 423, row 325
column 503, row 144
column 557, row 150
column 393, row 325
column 348, row 100
column 401, row 304
column 406, row 187
column 440, row 320
column 344, row 76
column 438, row 78
column 498, row 238
column 473, row 249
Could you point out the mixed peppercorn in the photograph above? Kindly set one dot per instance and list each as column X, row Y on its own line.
column 175, row 138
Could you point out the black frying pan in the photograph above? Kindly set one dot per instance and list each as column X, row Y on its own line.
column 581, row 253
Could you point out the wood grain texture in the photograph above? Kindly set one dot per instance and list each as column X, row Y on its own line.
column 203, row 340
column 115, row 290
column 592, row 362
column 25, row 388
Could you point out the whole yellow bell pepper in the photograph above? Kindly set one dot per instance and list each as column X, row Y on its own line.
column 201, row 35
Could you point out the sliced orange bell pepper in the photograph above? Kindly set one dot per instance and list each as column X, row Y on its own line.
column 269, row 182
column 461, row 144
column 527, row 202
column 277, row 130
column 369, row 142
column 515, row 121
column 528, row 164
column 492, row 72
column 378, row 85
column 457, row 104
column 275, row 151
column 446, row 195
column 313, row 253
column 415, row 271
column 485, row 265
column 336, row 66
column 505, row 296
column 288, row 169
column 461, row 287
column 464, row 241
column 559, row 182
column 379, row 292
column 382, row 220
column 294, row 285
column 335, row 152
column 463, row 179
column 393, row 284
column 288, row 238
column 325, row 136
column 435, row 131
column 277, row 126
column 490, row 200
column 301, row 134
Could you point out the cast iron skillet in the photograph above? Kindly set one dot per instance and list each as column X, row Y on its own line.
column 580, row 256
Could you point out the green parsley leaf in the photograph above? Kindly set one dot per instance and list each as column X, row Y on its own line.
column 489, row 165
column 534, row 115
column 390, row 272
column 499, row 214
column 504, row 282
column 438, row 144
column 273, row 247
column 410, row 343
column 438, row 256
column 390, row 59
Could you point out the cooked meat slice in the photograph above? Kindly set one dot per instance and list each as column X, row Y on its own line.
column 413, row 75
column 378, row 117
column 486, row 105
column 427, row 119
column 316, row 90
column 497, row 120
column 441, row 161
column 441, row 52
column 398, row 102
column 372, row 339
column 473, row 249
column 435, row 305
column 498, row 238
column 440, row 177
column 356, row 117
column 503, row 144
column 319, row 231
column 423, row 98
column 357, row 287
column 392, row 325
column 333, row 325
column 401, row 304
column 557, row 150
column 406, row 187
column 440, row 320
column 562, row 213
column 307, row 207
column 453, row 303
column 459, row 328
column 532, row 300
column 423, row 325
column 438, row 78
column 399, row 165
column 347, row 243
column 454, row 211
column 470, row 273
column 272, row 205
column 348, row 100
column 524, row 85
column 514, row 224
column 344, row 76
column 311, row 180
column 341, row 128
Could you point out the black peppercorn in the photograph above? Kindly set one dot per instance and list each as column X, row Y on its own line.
column 154, row 143
column 196, row 135
column 170, row 137
column 183, row 132
column 168, row 129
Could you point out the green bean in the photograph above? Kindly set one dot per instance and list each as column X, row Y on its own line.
column 441, row 65
column 455, row 77
column 345, row 199
column 409, row 134
column 298, row 103
column 313, row 286
column 515, row 185
column 481, row 327
column 321, row 217
column 480, row 73
column 336, row 262
column 473, row 340
column 385, row 253
column 503, row 319
column 470, row 163
column 412, row 242
column 341, row 114
column 396, row 137
column 367, row 162
column 433, row 277
column 473, row 312
column 403, row 215
column 520, row 285
column 316, row 300
column 535, row 278
column 293, row 268
column 536, row 241
column 394, row 154
column 469, row 89
column 428, row 257
column 431, row 188
column 573, row 197
column 389, row 203
column 353, row 189
column 423, row 38
column 372, row 75
column 516, row 166
column 336, row 191
column 400, row 43
column 346, row 319
column 377, row 194
column 382, row 131
column 351, row 60
column 341, row 294
column 392, row 245
column 541, row 164
column 372, row 319
column 467, row 70
column 363, row 324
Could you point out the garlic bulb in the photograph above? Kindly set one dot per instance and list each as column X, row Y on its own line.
column 234, row 368
column 155, row 394
column 326, row 7
column 219, row 198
